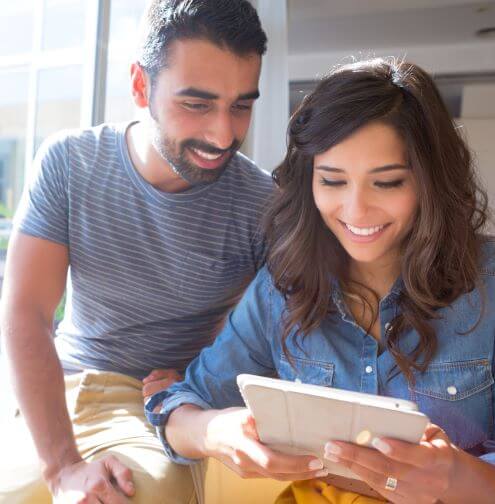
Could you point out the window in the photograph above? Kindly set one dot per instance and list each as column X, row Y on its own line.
column 13, row 110
column 46, row 64
column 124, row 23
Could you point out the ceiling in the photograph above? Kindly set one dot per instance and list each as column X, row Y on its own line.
column 339, row 25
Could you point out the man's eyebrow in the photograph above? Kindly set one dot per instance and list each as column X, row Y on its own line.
column 253, row 95
column 378, row 169
column 197, row 93
column 206, row 95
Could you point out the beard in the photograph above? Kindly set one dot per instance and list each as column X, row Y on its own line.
column 175, row 154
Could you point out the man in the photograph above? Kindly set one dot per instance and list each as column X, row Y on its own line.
column 157, row 223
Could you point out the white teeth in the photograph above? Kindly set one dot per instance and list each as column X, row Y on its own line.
column 364, row 231
column 207, row 155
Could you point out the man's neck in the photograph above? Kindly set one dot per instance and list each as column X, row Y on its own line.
column 149, row 164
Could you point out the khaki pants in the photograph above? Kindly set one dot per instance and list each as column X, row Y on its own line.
column 106, row 410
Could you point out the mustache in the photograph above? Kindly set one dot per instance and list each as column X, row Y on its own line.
column 208, row 148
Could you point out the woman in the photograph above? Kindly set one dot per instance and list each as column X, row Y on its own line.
column 377, row 280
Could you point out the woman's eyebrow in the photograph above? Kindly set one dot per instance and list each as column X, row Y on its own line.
column 378, row 169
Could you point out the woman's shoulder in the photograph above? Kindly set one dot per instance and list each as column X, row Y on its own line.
column 263, row 278
column 264, row 283
column 487, row 263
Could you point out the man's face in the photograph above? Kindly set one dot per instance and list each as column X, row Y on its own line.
column 200, row 106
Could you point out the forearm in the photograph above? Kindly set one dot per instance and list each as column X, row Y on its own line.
column 476, row 481
column 186, row 431
column 38, row 382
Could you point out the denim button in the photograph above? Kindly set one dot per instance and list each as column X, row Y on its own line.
column 368, row 369
column 452, row 390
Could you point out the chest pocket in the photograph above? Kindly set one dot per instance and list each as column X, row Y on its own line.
column 458, row 396
column 206, row 280
column 306, row 370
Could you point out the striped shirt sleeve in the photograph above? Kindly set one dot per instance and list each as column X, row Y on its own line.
column 43, row 210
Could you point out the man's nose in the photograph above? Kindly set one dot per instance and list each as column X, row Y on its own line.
column 220, row 131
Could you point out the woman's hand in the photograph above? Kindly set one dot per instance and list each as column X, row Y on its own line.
column 433, row 471
column 230, row 436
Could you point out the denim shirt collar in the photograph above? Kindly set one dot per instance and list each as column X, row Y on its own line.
column 390, row 300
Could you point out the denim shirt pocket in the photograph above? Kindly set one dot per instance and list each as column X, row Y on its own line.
column 306, row 370
column 458, row 396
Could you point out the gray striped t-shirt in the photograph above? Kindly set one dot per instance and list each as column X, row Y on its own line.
column 152, row 274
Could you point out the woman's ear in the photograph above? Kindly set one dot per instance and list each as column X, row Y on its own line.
column 139, row 85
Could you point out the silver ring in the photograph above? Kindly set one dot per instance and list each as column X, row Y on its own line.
column 391, row 484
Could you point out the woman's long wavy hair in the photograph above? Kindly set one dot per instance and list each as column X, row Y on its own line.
column 439, row 257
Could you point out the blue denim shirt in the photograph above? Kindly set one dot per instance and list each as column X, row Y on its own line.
column 456, row 392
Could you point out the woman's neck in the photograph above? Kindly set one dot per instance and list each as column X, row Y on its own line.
column 360, row 301
column 379, row 277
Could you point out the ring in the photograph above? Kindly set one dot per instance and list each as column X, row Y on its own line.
column 391, row 484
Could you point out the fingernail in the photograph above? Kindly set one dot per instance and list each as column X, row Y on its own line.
column 321, row 474
column 333, row 449
column 332, row 458
column 381, row 445
column 315, row 464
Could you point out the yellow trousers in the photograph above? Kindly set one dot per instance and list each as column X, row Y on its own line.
column 319, row 492
column 107, row 415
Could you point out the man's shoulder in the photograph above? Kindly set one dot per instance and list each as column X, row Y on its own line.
column 246, row 173
column 79, row 154
column 87, row 139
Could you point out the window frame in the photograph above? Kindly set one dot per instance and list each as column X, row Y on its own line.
column 92, row 56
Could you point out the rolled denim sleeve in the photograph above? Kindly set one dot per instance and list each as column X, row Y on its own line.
column 489, row 445
column 210, row 380
column 490, row 456
column 170, row 401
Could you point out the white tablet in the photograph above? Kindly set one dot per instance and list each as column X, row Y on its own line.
column 299, row 419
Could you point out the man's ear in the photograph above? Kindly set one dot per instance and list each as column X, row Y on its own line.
column 139, row 85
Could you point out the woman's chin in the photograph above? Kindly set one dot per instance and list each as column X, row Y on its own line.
column 364, row 253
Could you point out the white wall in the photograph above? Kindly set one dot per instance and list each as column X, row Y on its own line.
column 480, row 134
column 478, row 123
column 440, row 59
column 478, row 101
column 266, row 141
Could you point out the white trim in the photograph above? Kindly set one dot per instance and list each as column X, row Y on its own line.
column 95, row 63
column 43, row 59
column 38, row 16
column 58, row 58
column 15, row 60
column 266, row 142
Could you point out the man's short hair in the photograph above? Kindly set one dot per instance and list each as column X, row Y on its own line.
column 230, row 24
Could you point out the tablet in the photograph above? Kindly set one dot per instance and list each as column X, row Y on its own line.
column 298, row 418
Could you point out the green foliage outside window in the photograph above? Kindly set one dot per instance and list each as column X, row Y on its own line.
column 59, row 312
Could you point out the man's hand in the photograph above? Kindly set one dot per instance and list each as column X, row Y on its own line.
column 105, row 481
column 159, row 379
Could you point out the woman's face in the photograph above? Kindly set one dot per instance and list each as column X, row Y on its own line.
column 366, row 193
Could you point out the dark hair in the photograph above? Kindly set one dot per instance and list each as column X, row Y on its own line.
column 439, row 257
column 233, row 24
